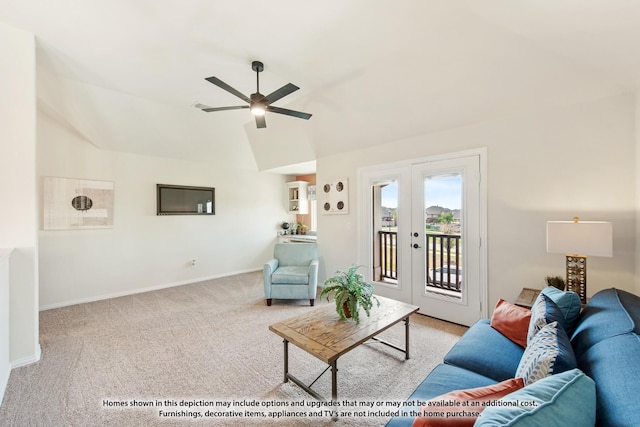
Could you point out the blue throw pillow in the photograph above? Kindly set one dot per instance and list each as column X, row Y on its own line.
column 543, row 312
column 548, row 353
column 565, row 399
column 568, row 302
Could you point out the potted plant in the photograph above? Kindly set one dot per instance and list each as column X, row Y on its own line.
column 350, row 291
column 302, row 228
column 555, row 281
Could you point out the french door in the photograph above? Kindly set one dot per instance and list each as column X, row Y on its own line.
column 426, row 250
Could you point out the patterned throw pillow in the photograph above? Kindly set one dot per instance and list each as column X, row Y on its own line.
column 548, row 353
column 543, row 312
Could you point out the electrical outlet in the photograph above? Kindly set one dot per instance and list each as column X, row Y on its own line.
column 193, row 263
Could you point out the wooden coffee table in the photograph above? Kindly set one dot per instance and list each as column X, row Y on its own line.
column 322, row 333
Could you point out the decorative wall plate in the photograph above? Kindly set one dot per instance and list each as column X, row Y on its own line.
column 335, row 197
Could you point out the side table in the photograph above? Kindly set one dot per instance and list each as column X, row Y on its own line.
column 527, row 297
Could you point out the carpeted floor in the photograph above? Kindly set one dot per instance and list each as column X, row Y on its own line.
column 140, row 360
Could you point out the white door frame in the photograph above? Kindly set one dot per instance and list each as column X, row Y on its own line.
column 371, row 175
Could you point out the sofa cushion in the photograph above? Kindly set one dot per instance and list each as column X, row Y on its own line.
column 445, row 378
column 442, row 379
column 470, row 352
column 609, row 313
column 291, row 275
column 511, row 321
column 543, row 312
column 615, row 367
column 567, row 398
column 568, row 302
column 548, row 353
column 467, row 401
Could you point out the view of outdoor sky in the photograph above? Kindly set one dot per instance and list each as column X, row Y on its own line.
column 442, row 191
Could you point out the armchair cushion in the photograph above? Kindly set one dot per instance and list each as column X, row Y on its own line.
column 291, row 275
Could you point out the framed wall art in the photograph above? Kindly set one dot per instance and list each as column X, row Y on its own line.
column 71, row 204
column 185, row 200
column 334, row 197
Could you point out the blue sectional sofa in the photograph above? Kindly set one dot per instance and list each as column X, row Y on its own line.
column 604, row 339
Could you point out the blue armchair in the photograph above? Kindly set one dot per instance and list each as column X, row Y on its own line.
column 292, row 273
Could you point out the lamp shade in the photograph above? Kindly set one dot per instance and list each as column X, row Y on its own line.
column 593, row 238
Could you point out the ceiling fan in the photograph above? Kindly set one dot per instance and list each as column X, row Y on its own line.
column 258, row 103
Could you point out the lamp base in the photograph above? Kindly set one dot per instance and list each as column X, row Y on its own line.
column 577, row 275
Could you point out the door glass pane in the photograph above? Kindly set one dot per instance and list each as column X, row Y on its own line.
column 443, row 234
column 385, row 233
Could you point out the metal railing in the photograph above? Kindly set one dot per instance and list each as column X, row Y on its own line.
column 442, row 252
column 388, row 254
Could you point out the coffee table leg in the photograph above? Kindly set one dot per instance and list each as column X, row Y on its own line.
column 286, row 361
column 334, row 380
column 406, row 338
column 334, row 384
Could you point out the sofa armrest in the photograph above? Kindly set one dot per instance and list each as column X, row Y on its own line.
column 313, row 278
column 267, row 270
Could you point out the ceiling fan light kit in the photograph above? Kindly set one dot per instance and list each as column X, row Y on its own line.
column 258, row 103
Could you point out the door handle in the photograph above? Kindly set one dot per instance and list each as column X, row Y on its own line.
column 416, row 246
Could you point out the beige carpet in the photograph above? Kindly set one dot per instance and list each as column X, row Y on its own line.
column 205, row 343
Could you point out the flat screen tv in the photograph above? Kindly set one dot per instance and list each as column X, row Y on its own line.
column 184, row 200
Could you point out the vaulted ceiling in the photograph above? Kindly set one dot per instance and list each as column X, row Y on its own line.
column 124, row 74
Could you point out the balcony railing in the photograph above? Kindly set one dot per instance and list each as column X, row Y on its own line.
column 388, row 254
column 443, row 259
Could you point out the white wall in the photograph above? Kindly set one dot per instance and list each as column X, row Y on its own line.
column 17, row 190
column 145, row 251
column 5, row 360
column 552, row 165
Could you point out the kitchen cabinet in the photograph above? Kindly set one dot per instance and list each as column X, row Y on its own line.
column 297, row 201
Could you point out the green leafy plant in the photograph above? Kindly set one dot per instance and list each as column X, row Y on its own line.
column 350, row 291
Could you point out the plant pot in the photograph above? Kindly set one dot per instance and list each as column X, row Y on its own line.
column 345, row 309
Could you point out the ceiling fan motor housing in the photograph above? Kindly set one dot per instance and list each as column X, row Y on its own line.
column 257, row 66
column 256, row 97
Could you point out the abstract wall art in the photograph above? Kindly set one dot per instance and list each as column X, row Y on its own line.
column 71, row 204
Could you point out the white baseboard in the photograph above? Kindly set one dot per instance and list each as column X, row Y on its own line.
column 4, row 380
column 142, row 290
column 27, row 360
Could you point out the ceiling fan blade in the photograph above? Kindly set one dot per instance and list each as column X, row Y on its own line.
column 237, row 107
column 287, row 112
column 281, row 93
column 261, row 122
column 216, row 81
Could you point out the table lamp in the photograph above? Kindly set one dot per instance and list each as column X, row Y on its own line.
column 577, row 239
